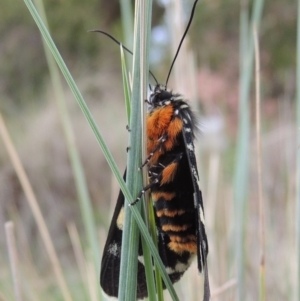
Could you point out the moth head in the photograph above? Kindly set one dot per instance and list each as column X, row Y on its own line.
column 160, row 96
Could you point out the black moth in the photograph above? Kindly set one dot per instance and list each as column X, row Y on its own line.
column 175, row 192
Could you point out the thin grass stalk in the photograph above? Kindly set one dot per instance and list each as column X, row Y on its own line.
column 105, row 150
column 130, row 237
column 13, row 259
column 76, row 93
column 298, row 157
column 244, row 28
column 29, row 290
column 262, row 285
column 144, row 70
column 242, row 146
column 77, row 168
column 127, row 24
column 157, row 286
column 242, row 153
column 34, row 206
column 235, row 244
column 145, row 8
column 126, row 87
column 158, row 278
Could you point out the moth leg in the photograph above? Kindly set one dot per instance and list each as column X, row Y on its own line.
column 142, row 192
column 161, row 140
column 156, row 176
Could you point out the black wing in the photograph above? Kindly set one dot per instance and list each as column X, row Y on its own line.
column 202, row 250
column 110, row 265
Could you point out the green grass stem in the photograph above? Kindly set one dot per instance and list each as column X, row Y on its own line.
column 130, row 238
column 127, row 23
column 126, row 86
column 76, row 164
column 242, row 152
column 145, row 9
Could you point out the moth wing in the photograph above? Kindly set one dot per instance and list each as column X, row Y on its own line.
column 110, row 264
column 202, row 250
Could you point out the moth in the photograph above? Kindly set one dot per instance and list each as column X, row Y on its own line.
column 177, row 199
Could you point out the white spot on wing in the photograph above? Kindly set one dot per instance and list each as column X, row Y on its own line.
column 114, row 249
column 195, row 173
column 180, row 267
column 201, row 215
column 190, row 146
column 170, row 270
column 189, row 116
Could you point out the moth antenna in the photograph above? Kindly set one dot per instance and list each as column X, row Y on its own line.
column 182, row 39
column 112, row 38
column 119, row 43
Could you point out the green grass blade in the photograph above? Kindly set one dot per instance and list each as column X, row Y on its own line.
column 130, row 238
column 79, row 176
column 127, row 23
column 242, row 155
column 158, row 280
column 145, row 11
column 126, row 86
column 75, row 91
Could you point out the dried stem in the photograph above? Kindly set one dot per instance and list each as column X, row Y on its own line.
column 13, row 258
column 259, row 166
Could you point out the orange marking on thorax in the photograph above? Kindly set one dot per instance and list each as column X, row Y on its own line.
column 160, row 123
column 175, row 128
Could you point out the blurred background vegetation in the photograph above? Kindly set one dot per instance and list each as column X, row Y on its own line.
column 33, row 121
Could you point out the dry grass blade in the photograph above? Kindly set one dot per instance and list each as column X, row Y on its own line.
column 78, row 251
column 259, row 167
column 13, row 258
column 35, row 209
